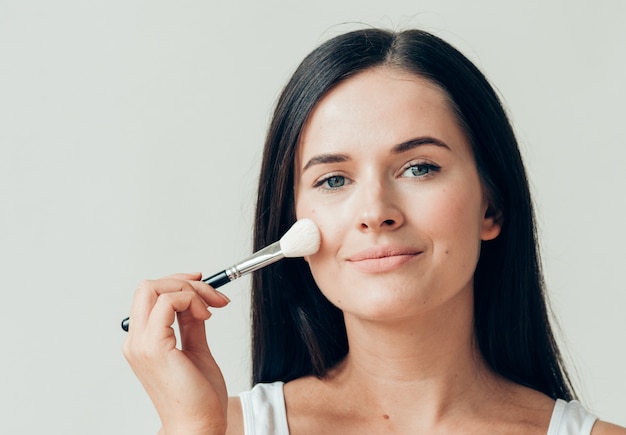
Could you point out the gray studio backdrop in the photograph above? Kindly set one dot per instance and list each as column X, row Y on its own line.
column 130, row 137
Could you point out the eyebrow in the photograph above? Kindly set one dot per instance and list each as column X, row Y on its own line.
column 325, row 158
column 397, row 149
column 416, row 142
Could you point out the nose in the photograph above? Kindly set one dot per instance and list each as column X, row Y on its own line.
column 378, row 209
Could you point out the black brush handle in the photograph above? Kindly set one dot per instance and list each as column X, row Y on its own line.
column 217, row 280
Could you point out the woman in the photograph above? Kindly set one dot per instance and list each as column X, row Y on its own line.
column 423, row 310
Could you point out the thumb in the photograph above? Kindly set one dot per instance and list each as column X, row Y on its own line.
column 192, row 332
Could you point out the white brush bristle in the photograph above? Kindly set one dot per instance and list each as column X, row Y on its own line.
column 302, row 239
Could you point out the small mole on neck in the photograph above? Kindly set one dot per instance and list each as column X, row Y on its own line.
column 385, row 416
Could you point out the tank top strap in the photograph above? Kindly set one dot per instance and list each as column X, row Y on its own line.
column 570, row 418
column 263, row 409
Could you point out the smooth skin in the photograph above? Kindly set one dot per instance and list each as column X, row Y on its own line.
column 388, row 175
column 402, row 229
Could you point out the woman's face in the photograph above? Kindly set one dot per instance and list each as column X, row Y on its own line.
column 387, row 173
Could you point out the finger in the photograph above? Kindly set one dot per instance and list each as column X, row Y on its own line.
column 147, row 294
column 167, row 305
column 192, row 333
column 212, row 297
column 195, row 276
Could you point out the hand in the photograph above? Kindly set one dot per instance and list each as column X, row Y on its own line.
column 185, row 385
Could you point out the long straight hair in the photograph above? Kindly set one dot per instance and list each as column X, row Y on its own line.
column 296, row 331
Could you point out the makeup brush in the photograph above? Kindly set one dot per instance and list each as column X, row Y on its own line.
column 303, row 238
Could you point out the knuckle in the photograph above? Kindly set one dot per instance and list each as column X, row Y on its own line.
column 166, row 298
column 144, row 285
column 144, row 288
column 139, row 351
column 175, row 299
column 131, row 352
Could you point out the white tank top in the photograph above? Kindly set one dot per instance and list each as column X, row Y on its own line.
column 264, row 413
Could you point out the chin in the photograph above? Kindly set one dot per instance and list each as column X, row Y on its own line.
column 381, row 304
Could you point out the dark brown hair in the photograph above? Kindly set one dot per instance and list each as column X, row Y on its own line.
column 296, row 330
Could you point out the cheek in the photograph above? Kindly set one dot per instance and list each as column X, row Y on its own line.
column 331, row 219
column 328, row 233
column 325, row 264
column 455, row 229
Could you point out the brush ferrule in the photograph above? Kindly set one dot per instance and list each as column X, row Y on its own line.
column 268, row 255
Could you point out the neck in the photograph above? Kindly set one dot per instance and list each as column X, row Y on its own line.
column 434, row 354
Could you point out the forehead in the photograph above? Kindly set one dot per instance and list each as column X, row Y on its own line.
column 379, row 106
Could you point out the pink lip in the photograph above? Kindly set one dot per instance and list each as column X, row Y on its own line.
column 383, row 259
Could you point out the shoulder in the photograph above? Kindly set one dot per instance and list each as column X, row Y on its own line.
column 308, row 395
column 604, row 428
column 235, row 417
column 314, row 406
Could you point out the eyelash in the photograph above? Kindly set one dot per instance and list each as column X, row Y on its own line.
column 320, row 183
column 430, row 167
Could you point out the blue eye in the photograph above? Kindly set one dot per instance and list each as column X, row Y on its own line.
column 419, row 170
column 335, row 181
column 331, row 183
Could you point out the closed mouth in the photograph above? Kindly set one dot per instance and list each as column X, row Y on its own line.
column 380, row 260
column 383, row 252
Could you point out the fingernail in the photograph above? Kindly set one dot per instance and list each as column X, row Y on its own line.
column 223, row 296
